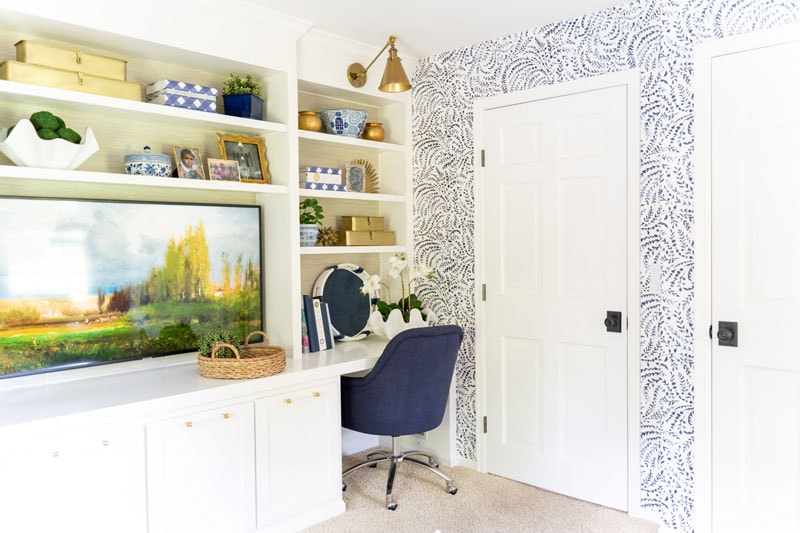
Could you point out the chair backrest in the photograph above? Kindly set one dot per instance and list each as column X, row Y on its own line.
column 406, row 391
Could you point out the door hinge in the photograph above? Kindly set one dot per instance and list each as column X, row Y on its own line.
column 483, row 157
column 483, row 292
column 485, row 424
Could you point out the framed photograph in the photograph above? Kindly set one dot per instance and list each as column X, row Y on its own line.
column 223, row 169
column 249, row 152
column 91, row 282
column 188, row 163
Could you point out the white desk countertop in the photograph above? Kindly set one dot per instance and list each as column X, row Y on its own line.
column 145, row 388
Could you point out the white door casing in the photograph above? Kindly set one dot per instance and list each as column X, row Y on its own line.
column 544, row 344
column 748, row 250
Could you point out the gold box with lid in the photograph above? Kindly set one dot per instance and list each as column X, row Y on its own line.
column 67, row 79
column 366, row 238
column 354, row 223
column 47, row 55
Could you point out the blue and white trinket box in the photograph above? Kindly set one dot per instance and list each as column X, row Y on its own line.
column 182, row 88
column 336, row 187
column 186, row 102
column 315, row 174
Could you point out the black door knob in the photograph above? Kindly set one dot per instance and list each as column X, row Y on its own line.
column 613, row 321
column 728, row 333
column 725, row 334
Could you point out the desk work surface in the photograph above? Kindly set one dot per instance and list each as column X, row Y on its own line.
column 141, row 386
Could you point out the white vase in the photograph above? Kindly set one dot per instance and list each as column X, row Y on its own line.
column 394, row 323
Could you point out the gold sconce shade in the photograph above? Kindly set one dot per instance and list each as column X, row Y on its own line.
column 394, row 77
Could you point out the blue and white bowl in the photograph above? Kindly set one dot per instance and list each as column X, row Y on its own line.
column 348, row 122
column 148, row 163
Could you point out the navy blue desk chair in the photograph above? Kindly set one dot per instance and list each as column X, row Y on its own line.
column 405, row 393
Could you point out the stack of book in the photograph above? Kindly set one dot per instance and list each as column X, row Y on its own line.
column 317, row 325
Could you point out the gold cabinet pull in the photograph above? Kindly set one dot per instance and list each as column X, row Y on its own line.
column 78, row 58
column 287, row 400
column 188, row 424
column 315, row 394
column 226, row 415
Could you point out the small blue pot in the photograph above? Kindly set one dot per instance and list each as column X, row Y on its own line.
column 244, row 105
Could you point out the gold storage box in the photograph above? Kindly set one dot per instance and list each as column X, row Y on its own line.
column 53, row 56
column 365, row 238
column 362, row 223
column 66, row 79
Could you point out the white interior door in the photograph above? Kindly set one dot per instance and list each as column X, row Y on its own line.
column 755, row 184
column 555, row 183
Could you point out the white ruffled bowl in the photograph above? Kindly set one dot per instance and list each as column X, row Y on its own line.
column 26, row 149
column 394, row 324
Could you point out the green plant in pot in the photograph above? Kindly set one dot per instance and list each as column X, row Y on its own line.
column 242, row 97
column 207, row 341
column 310, row 217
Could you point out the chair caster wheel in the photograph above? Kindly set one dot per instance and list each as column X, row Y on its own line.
column 374, row 465
column 391, row 505
column 344, row 487
column 452, row 489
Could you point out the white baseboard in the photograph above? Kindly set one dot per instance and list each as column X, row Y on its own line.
column 354, row 442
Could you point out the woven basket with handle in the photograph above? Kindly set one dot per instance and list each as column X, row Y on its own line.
column 251, row 361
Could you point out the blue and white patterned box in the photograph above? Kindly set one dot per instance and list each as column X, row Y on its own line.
column 180, row 87
column 315, row 174
column 336, row 187
column 186, row 102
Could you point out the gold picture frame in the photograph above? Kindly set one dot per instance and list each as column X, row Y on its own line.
column 249, row 152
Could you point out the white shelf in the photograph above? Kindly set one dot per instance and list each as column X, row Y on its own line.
column 332, row 250
column 10, row 172
column 349, row 141
column 24, row 93
column 367, row 197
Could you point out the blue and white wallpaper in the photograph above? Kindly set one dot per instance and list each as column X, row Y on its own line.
column 658, row 37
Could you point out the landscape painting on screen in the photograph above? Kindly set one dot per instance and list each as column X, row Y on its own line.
column 85, row 282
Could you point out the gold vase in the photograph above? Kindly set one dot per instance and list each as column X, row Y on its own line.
column 309, row 120
column 373, row 131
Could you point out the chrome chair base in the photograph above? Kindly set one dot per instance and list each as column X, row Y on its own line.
column 395, row 457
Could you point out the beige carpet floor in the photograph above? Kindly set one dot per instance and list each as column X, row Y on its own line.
column 484, row 503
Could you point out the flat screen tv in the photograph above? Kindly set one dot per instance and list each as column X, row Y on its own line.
column 89, row 282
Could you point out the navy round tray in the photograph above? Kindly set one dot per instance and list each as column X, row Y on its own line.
column 340, row 287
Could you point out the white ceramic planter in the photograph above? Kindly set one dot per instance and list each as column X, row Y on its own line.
column 394, row 324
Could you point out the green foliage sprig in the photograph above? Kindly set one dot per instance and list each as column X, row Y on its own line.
column 236, row 84
column 207, row 341
column 311, row 211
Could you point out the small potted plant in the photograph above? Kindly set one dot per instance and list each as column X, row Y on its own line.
column 242, row 97
column 310, row 217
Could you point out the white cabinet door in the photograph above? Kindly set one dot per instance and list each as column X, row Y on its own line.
column 299, row 459
column 90, row 481
column 201, row 472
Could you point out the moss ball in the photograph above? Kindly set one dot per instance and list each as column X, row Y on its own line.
column 47, row 134
column 70, row 135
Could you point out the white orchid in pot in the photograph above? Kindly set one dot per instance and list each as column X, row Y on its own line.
column 389, row 318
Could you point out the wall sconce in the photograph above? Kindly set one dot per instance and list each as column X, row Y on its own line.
column 394, row 77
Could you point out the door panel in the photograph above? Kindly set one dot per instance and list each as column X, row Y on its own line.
column 755, row 184
column 556, row 177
